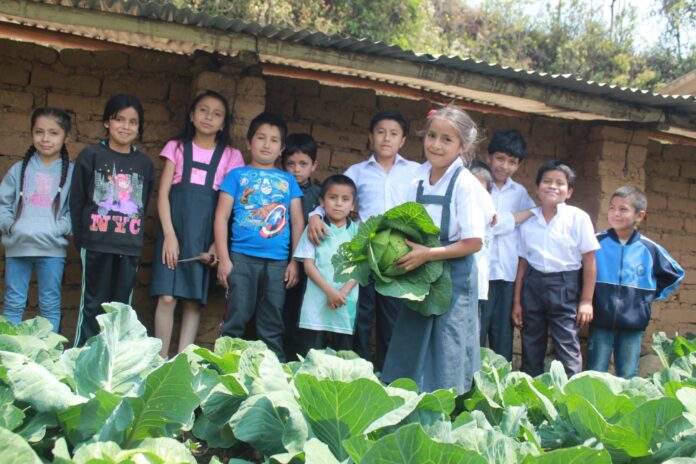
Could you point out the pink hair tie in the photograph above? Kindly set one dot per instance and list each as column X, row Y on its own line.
column 432, row 113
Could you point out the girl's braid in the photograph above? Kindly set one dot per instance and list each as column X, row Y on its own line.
column 65, row 163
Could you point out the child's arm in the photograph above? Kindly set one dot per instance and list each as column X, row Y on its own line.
column 668, row 273
column 296, row 228
column 222, row 217
column 79, row 195
column 421, row 254
column 516, row 314
column 64, row 223
column 335, row 298
column 316, row 228
column 522, row 216
column 350, row 285
column 170, row 247
column 8, row 196
column 589, row 278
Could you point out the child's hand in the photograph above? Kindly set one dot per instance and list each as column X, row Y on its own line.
column 335, row 298
column 170, row 251
column 223, row 271
column 516, row 315
column 213, row 256
column 317, row 230
column 292, row 274
column 419, row 255
column 585, row 314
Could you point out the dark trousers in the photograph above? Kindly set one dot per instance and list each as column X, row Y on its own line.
column 496, row 325
column 550, row 304
column 106, row 277
column 256, row 288
column 387, row 310
column 293, row 338
column 319, row 339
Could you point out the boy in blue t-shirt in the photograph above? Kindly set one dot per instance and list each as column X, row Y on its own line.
column 632, row 271
column 267, row 213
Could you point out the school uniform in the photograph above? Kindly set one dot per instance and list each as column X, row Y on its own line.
column 378, row 191
column 440, row 352
column 552, row 285
column 192, row 198
column 496, row 325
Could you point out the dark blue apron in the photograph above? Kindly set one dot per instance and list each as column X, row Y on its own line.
column 440, row 352
column 193, row 213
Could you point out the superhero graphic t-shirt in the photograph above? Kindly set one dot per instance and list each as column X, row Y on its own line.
column 261, row 223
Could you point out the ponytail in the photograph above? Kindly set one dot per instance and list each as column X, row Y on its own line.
column 65, row 164
column 25, row 161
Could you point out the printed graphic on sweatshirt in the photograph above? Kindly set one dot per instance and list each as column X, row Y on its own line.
column 118, row 196
column 39, row 190
column 263, row 201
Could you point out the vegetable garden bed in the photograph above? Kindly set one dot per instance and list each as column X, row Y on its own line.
column 116, row 401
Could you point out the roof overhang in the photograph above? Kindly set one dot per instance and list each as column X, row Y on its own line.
column 95, row 29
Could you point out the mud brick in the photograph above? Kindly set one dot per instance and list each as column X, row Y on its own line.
column 616, row 134
column 14, row 75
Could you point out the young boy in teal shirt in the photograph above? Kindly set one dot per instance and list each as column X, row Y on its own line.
column 329, row 307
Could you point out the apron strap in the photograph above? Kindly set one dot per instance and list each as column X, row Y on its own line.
column 442, row 200
column 210, row 168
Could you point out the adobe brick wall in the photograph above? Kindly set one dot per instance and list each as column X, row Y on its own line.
column 671, row 221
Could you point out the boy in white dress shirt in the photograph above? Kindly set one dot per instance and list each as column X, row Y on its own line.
column 556, row 273
column 506, row 151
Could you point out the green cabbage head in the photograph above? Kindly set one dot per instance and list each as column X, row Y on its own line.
column 381, row 240
column 392, row 245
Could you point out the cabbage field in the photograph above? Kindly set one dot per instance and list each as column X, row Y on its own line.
column 116, row 401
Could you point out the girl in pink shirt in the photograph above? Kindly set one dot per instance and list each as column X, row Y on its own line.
column 195, row 164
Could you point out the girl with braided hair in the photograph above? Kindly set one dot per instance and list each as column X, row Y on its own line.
column 34, row 217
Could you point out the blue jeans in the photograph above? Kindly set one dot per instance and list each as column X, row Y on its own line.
column 49, row 274
column 626, row 347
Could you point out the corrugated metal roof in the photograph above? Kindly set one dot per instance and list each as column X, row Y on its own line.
column 184, row 16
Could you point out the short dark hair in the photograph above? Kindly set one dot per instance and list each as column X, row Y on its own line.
column 482, row 171
column 271, row 119
column 338, row 179
column 508, row 141
column 121, row 102
column 391, row 116
column 301, row 142
column 634, row 195
column 556, row 165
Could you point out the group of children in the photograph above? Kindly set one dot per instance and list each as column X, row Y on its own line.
column 539, row 268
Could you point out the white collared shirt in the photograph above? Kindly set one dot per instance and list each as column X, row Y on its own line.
column 513, row 197
column 559, row 245
column 379, row 190
column 468, row 210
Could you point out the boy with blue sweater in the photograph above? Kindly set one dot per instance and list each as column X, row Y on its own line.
column 632, row 271
column 267, row 223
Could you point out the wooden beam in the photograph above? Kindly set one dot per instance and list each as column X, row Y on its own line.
column 383, row 87
column 58, row 39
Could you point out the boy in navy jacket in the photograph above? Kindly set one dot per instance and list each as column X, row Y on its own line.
column 632, row 271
